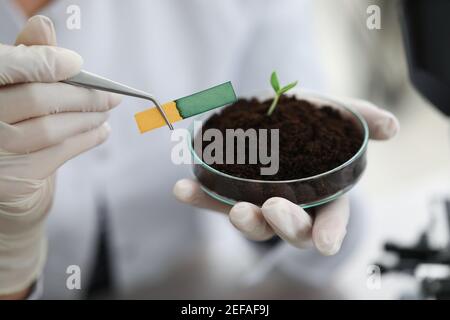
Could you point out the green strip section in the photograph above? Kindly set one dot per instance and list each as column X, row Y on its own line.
column 206, row 100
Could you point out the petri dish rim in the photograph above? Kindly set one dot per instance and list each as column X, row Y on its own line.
column 332, row 197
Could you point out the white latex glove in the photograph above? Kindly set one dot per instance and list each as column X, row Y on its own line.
column 43, row 123
column 281, row 217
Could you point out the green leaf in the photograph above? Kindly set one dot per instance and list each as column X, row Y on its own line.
column 288, row 87
column 274, row 82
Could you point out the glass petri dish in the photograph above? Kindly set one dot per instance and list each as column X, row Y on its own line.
column 307, row 192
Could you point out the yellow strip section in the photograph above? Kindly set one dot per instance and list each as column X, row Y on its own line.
column 151, row 118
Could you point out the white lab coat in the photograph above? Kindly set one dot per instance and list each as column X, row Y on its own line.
column 171, row 49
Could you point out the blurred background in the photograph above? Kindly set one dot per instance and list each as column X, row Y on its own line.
column 406, row 177
column 402, row 188
column 399, row 196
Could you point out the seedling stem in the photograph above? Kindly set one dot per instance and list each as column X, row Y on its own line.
column 278, row 91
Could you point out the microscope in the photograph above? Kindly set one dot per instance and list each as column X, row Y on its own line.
column 426, row 35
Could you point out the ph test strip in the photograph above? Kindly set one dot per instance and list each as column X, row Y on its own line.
column 186, row 107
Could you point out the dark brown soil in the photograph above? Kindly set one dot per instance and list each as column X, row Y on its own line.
column 312, row 140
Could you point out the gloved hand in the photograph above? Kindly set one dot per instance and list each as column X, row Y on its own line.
column 282, row 217
column 43, row 123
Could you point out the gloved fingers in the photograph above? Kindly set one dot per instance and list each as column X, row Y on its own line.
column 330, row 226
column 189, row 192
column 382, row 124
column 249, row 220
column 38, row 30
column 289, row 221
column 26, row 101
column 43, row 163
column 39, row 133
column 21, row 64
column 34, row 58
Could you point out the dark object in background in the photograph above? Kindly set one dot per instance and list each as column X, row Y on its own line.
column 101, row 284
column 426, row 33
column 410, row 259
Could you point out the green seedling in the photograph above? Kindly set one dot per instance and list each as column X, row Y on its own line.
column 278, row 91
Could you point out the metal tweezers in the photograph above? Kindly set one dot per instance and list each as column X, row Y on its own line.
column 92, row 81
